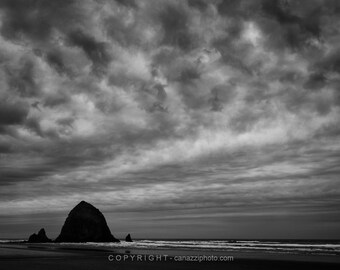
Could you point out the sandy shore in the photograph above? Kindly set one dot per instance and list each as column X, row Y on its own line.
column 22, row 256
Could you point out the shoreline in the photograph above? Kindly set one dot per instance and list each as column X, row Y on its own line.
column 48, row 256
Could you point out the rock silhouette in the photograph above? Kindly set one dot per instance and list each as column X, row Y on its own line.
column 85, row 223
column 39, row 238
column 128, row 238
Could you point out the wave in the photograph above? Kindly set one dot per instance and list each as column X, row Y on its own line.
column 220, row 245
column 297, row 247
column 4, row 241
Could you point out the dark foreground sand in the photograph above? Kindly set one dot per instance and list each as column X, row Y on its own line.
column 29, row 257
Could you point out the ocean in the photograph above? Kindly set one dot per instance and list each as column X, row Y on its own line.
column 292, row 247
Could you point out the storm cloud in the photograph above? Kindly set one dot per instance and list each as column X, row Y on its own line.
column 173, row 111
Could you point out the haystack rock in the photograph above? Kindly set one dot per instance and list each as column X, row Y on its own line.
column 39, row 238
column 85, row 223
column 128, row 238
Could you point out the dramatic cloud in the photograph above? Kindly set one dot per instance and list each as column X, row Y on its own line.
column 170, row 112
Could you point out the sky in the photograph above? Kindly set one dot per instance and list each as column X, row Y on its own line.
column 177, row 119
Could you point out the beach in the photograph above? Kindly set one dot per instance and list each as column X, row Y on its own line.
column 50, row 256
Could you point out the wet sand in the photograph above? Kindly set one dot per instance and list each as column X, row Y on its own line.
column 33, row 257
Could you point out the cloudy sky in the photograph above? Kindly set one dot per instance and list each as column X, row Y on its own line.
column 197, row 119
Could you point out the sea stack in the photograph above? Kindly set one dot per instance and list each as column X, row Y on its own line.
column 85, row 223
column 128, row 238
column 39, row 238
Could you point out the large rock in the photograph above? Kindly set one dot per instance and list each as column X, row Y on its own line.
column 85, row 223
column 128, row 238
column 39, row 238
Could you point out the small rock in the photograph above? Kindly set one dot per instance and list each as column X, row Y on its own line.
column 39, row 238
column 128, row 238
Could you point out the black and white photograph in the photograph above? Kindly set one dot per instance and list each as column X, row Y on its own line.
column 169, row 134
